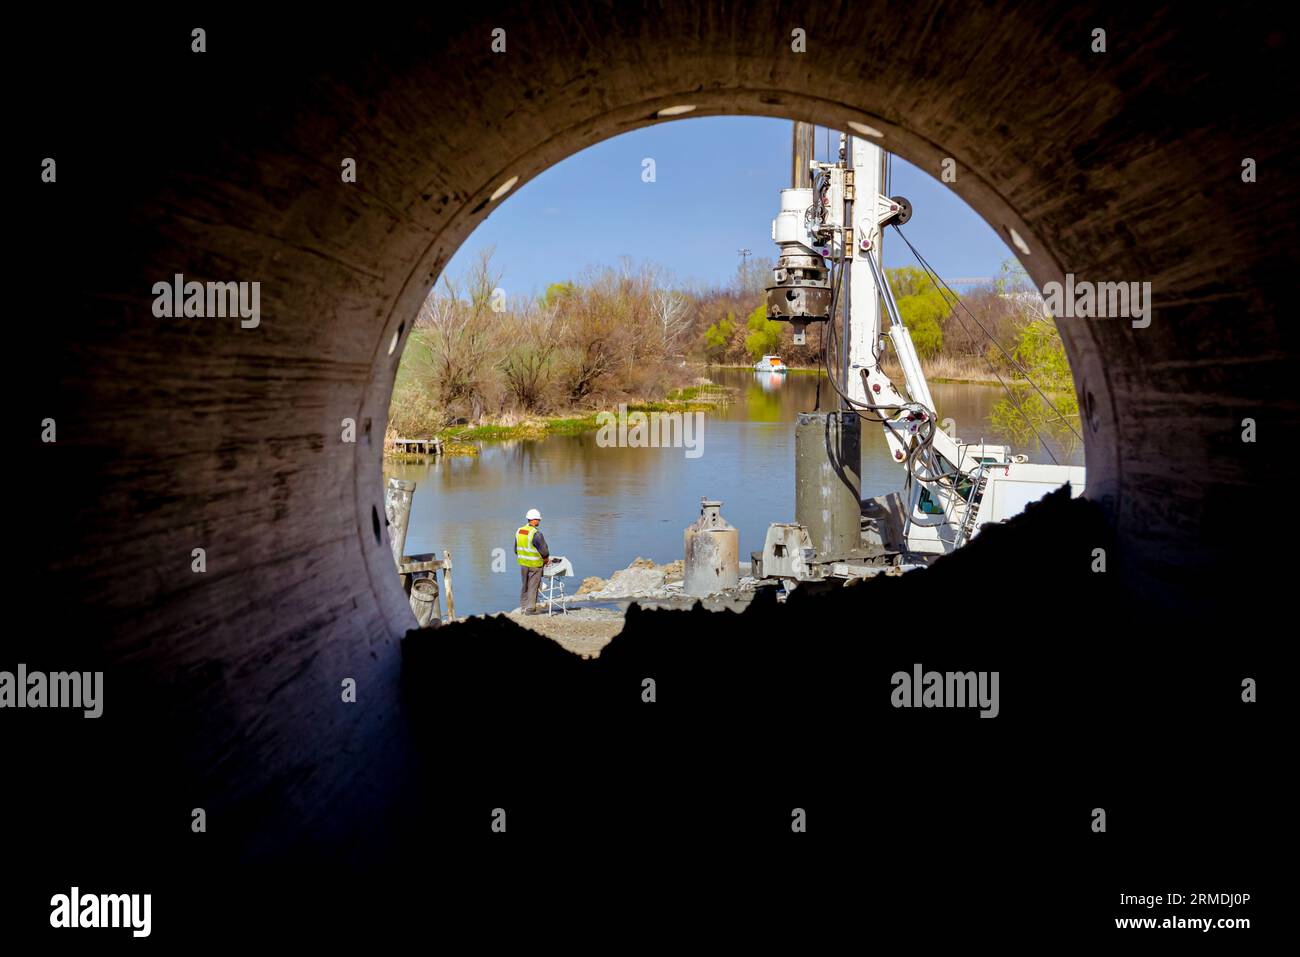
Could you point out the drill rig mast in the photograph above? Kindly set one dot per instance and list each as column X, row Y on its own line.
column 829, row 271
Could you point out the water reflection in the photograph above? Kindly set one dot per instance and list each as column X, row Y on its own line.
column 603, row 507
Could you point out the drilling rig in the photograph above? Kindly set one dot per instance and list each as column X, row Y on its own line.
column 829, row 271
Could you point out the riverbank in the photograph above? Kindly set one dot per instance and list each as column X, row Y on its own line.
column 604, row 505
column 788, row 368
column 968, row 370
column 459, row 439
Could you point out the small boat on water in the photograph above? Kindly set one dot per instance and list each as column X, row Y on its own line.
column 770, row 364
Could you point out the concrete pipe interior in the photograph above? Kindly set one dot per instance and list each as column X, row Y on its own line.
column 182, row 434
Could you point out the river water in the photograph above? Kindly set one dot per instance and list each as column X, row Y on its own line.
column 604, row 506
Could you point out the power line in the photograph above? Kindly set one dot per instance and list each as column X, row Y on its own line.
column 957, row 301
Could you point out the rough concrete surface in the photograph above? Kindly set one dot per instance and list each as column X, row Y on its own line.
column 177, row 435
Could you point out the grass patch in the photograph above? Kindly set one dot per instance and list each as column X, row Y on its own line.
column 710, row 391
column 458, row 439
column 573, row 426
column 490, row 433
column 669, row 406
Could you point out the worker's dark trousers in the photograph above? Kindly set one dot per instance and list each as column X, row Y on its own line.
column 531, row 581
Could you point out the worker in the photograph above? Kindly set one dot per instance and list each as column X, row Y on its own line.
column 531, row 550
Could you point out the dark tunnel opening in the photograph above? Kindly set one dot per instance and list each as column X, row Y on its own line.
column 222, row 686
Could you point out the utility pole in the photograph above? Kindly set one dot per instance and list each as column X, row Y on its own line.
column 744, row 255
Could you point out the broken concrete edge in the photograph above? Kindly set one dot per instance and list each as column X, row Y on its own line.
column 1055, row 539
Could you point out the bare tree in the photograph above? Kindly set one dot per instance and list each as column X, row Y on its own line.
column 536, row 331
column 594, row 341
column 673, row 311
column 612, row 336
column 461, row 334
column 753, row 278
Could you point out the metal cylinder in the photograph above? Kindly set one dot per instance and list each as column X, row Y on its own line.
column 424, row 601
column 828, row 481
column 712, row 560
column 801, row 155
column 397, row 509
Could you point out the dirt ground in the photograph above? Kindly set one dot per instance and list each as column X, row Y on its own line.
column 586, row 631
column 583, row 631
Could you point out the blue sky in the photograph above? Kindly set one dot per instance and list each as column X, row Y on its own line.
column 716, row 191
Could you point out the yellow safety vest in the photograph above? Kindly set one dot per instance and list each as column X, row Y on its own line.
column 528, row 556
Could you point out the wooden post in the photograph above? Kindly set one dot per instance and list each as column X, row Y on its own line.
column 397, row 507
column 446, row 582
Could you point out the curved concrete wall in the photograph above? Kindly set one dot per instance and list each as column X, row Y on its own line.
column 177, row 434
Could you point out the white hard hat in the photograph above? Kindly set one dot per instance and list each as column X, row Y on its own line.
column 533, row 514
